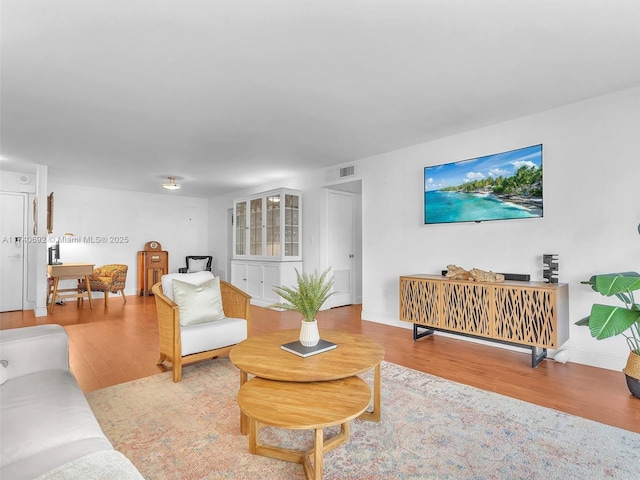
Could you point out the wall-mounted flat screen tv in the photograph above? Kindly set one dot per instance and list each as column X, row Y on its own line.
column 502, row 186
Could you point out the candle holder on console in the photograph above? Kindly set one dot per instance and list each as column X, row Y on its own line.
column 550, row 271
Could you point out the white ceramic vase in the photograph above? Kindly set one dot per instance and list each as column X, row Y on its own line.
column 309, row 335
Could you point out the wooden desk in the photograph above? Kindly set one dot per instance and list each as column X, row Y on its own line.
column 262, row 356
column 309, row 406
column 67, row 271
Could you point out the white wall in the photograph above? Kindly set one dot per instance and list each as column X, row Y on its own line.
column 591, row 212
column 127, row 220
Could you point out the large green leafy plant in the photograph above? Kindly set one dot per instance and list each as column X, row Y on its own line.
column 607, row 321
column 307, row 296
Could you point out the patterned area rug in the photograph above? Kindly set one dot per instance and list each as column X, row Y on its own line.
column 431, row 428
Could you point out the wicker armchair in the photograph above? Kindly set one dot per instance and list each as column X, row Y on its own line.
column 236, row 305
column 108, row 279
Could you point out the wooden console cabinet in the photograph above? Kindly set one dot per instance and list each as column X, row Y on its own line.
column 153, row 262
column 528, row 314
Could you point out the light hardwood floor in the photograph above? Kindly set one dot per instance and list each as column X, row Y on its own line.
column 120, row 343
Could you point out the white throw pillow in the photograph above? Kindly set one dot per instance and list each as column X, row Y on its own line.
column 192, row 278
column 196, row 265
column 198, row 303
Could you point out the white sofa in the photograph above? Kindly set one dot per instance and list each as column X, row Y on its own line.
column 47, row 428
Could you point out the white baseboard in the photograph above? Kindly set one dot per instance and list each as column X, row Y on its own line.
column 600, row 360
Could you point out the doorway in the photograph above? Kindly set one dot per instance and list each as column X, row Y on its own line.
column 345, row 242
column 12, row 235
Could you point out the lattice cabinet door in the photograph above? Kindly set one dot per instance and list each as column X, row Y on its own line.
column 420, row 301
column 528, row 316
column 466, row 308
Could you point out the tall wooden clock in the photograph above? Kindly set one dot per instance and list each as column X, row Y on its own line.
column 153, row 262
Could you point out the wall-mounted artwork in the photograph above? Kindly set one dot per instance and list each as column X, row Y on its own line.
column 35, row 215
column 501, row 186
column 50, row 213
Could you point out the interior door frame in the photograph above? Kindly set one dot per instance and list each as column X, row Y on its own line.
column 230, row 225
column 354, row 187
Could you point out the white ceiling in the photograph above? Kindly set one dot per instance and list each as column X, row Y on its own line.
column 226, row 94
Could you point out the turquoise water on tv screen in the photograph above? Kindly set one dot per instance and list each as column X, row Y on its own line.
column 450, row 207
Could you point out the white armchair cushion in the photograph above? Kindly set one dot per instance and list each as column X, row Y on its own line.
column 198, row 303
column 192, row 278
column 211, row 335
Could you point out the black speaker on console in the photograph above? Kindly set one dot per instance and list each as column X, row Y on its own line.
column 520, row 277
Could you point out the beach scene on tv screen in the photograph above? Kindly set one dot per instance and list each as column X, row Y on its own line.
column 501, row 186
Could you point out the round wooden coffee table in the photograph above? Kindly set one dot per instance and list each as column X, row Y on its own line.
column 262, row 357
column 303, row 405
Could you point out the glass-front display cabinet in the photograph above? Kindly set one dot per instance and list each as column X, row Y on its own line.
column 268, row 226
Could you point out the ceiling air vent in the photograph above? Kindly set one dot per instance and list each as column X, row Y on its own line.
column 342, row 172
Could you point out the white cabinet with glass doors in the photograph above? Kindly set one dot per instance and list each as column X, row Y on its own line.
column 267, row 226
column 267, row 236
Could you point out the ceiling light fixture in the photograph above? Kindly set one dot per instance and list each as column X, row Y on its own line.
column 171, row 184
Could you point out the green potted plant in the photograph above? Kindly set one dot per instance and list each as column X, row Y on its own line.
column 306, row 297
column 606, row 321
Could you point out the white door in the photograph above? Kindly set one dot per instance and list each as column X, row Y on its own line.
column 342, row 247
column 12, row 208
